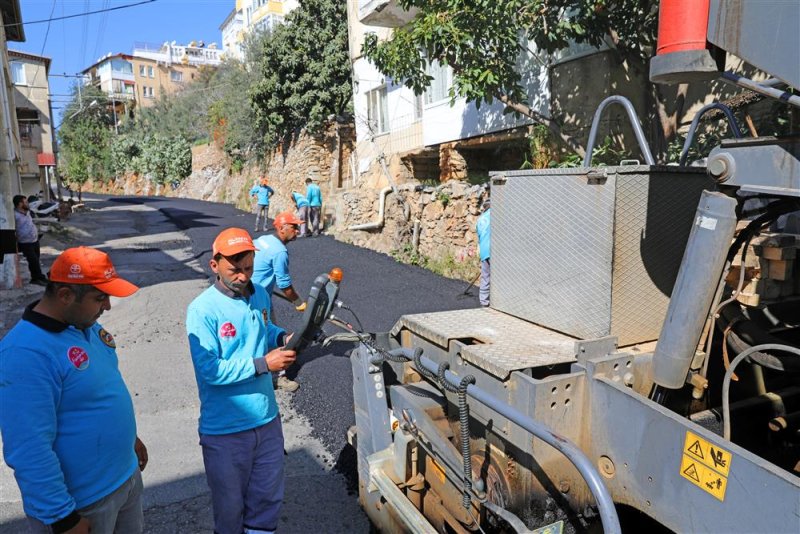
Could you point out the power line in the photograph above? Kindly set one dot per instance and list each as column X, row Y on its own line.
column 78, row 14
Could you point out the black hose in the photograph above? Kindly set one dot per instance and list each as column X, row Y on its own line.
column 746, row 333
column 463, row 417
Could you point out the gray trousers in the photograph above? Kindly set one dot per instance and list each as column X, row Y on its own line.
column 119, row 512
column 261, row 211
column 486, row 277
column 313, row 214
column 302, row 214
column 245, row 473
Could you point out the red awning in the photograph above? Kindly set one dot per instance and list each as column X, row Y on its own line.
column 45, row 159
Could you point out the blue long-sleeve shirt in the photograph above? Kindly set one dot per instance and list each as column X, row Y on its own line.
column 271, row 265
column 66, row 416
column 299, row 199
column 262, row 192
column 229, row 336
column 484, row 231
column 314, row 195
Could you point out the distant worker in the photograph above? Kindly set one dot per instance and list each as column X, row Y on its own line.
column 484, row 231
column 301, row 202
column 66, row 416
column 28, row 239
column 314, row 197
column 235, row 349
column 261, row 193
column 271, row 269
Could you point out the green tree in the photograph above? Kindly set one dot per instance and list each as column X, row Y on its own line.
column 85, row 137
column 304, row 70
column 482, row 42
column 165, row 160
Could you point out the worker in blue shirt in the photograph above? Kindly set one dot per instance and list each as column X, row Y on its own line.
column 484, row 231
column 66, row 417
column 261, row 193
column 235, row 349
column 271, row 270
column 301, row 203
column 314, row 197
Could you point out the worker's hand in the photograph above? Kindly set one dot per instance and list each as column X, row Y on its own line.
column 141, row 453
column 280, row 359
column 84, row 526
column 301, row 307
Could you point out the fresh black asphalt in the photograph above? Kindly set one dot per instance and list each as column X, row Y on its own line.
column 375, row 286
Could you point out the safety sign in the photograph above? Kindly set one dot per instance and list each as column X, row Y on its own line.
column 705, row 465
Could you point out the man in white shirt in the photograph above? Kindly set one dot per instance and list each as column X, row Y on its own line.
column 28, row 239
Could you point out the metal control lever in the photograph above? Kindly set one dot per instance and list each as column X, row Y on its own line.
column 320, row 303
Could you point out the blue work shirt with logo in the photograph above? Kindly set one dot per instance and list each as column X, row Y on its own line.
column 66, row 415
column 484, row 230
column 229, row 336
column 314, row 195
column 262, row 192
column 271, row 265
column 299, row 199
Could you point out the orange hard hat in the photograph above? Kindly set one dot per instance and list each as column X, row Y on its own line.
column 85, row 265
column 287, row 217
column 232, row 241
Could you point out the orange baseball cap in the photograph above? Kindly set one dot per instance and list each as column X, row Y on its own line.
column 287, row 217
column 232, row 241
column 85, row 265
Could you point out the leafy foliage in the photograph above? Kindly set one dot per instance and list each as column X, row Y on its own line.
column 85, row 136
column 483, row 40
column 304, row 70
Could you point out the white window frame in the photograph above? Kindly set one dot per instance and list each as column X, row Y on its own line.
column 439, row 89
column 176, row 76
column 142, row 71
column 378, row 109
column 18, row 73
column 150, row 72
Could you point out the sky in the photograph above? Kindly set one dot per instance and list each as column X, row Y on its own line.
column 76, row 43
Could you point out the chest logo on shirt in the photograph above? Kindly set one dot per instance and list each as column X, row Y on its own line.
column 78, row 357
column 107, row 338
column 227, row 330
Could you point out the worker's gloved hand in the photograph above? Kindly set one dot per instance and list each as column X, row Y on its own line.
column 301, row 308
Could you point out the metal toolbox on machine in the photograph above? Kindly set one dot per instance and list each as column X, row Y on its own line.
column 591, row 252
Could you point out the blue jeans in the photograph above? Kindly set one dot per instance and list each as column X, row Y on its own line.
column 119, row 512
column 245, row 473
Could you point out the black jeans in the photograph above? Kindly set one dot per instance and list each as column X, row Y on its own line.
column 31, row 253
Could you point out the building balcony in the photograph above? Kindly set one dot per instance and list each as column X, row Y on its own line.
column 384, row 13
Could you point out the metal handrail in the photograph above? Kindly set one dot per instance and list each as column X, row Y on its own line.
column 605, row 504
column 637, row 129
column 732, row 124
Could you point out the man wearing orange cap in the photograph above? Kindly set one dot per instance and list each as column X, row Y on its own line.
column 271, row 269
column 235, row 349
column 261, row 193
column 67, row 419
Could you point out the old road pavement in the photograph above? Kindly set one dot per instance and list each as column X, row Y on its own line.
column 164, row 246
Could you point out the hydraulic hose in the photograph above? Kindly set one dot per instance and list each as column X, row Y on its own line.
column 605, row 504
column 726, row 381
column 746, row 333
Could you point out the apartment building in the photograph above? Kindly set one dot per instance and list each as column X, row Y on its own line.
column 248, row 16
column 32, row 106
column 434, row 138
column 151, row 71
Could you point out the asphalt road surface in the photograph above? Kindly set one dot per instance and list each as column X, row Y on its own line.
column 164, row 246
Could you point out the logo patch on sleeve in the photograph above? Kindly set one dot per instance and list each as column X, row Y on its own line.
column 78, row 357
column 227, row 330
column 107, row 338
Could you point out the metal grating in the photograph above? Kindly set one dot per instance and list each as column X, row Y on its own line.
column 507, row 344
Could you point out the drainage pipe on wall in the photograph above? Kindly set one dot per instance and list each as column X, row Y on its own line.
column 377, row 225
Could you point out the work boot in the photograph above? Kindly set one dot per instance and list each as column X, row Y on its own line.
column 285, row 384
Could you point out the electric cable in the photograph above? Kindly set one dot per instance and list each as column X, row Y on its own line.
column 76, row 15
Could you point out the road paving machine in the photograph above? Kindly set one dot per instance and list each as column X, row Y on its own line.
column 555, row 409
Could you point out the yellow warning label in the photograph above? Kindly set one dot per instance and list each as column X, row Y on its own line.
column 707, row 453
column 704, row 478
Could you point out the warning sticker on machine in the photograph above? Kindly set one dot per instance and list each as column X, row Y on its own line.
column 704, row 478
column 707, row 453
